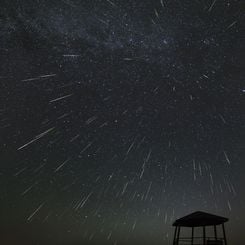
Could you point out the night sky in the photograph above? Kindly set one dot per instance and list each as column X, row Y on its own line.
column 118, row 117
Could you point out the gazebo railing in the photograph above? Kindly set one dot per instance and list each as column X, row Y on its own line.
column 199, row 241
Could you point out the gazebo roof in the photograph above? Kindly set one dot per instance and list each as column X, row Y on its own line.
column 200, row 219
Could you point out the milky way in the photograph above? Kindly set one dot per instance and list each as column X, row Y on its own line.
column 118, row 117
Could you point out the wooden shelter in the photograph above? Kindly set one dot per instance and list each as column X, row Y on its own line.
column 200, row 219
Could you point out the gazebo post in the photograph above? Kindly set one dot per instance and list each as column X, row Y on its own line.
column 215, row 232
column 175, row 235
column 204, row 235
column 223, row 227
column 192, row 235
column 177, row 239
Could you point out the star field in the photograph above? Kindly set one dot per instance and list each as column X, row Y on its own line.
column 118, row 117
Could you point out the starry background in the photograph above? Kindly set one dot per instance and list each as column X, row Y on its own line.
column 118, row 117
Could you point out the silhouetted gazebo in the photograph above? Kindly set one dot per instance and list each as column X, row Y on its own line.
column 200, row 219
